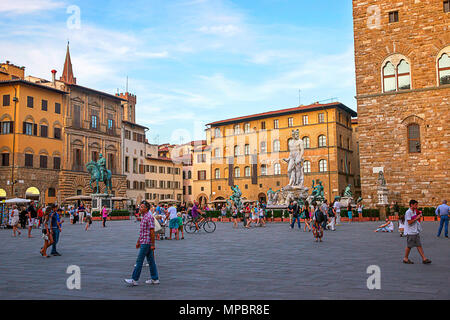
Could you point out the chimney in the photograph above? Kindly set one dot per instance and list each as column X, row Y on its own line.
column 54, row 77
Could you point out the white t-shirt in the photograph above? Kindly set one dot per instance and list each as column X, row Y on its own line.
column 337, row 206
column 172, row 213
column 411, row 229
column 391, row 226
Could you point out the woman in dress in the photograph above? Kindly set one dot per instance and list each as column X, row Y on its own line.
column 306, row 216
column 316, row 225
column 46, row 232
column 15, row 220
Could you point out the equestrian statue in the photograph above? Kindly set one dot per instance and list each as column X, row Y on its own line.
column 99, row 173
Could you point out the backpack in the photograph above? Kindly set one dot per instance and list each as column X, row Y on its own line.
column 330, row 212
column 319, row 216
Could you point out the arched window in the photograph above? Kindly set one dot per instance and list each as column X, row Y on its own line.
column 263, row 170
column 263, row 147
column 323, row 166
column 237, row 172
column 237, row 151
column 322, row 141
column 414, row 138
column 444, row 69
column 307, row 167
column 404, row 76
column 277, row 169
column 389, row 77
column 247, row 172
column 217, row 173
column 306, row 143
column 276, row 146
column 396, row 74
column 247, row 149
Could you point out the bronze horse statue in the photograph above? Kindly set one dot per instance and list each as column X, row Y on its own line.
column 94, row 169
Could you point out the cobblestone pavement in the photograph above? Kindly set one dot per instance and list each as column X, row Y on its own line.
column 262, row 263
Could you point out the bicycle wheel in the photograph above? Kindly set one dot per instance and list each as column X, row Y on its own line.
column 189, row 227
column 209, row 226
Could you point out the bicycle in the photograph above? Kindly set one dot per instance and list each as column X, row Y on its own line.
column 206, row 223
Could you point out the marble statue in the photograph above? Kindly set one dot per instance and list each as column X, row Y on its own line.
column 381, row 180
column 295, row 160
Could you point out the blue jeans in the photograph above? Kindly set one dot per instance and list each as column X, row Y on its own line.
column 55, row 239
column 144, row 252
column 444, row 220
column 293, row 222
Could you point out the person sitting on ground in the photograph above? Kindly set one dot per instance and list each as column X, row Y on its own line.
column 386, row 227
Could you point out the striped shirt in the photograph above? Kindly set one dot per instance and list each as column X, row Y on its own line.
column 147, row 223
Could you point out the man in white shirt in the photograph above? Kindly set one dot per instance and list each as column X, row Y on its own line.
column 412, row 230
column 337, row 209
column 173, row 221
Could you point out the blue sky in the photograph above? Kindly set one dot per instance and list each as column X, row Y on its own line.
column 190, row 62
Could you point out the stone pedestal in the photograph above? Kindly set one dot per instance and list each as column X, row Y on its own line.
column 99, row 200
column 383, row 210
column 345, row 201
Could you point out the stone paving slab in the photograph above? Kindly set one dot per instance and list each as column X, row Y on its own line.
column 262, row 263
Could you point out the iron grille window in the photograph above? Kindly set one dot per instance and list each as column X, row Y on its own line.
column 43, row 162
column 28, row 160
column 56, row 163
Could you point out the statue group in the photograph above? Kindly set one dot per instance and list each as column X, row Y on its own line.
column 295, row 190
column 235, row 199
column 99, row 173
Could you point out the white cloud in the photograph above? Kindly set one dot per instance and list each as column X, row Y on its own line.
column 222, row 30
column 29, row 6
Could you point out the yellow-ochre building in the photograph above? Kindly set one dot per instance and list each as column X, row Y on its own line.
column 249, row 151
column 31, row 140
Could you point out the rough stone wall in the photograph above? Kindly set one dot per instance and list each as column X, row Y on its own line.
column 422, row 32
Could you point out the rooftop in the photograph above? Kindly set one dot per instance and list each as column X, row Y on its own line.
column 312, row 107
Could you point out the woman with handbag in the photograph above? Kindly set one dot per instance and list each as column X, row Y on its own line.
column 306, row 216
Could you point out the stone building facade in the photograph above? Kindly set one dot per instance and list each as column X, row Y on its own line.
column 249, row 150
column 164, row 177
column 31, row 142
column 402, row 58
column 133, row 150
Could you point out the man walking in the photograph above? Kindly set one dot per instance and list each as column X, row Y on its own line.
column 146, row 246
column 295, row 215
column 442, row 212
column 324, row 209
column 337, row 210
column 56, row 229
column 412, row 230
